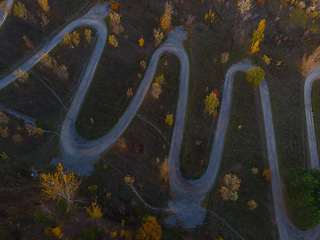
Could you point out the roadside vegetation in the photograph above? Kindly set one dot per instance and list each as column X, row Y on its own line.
column 241, row 194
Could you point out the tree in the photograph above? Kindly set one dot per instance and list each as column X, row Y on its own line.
column 21, row 75
column 166, row 17
column 169, row 119
column 210, row 16
column 158, row 36
column 150, row 229
column 94, row 211
column 156, row 90
column 257, row 36
column 4, row 7
column 252, row 205
column 255, row 170
column 141, row 42
column 60, row 185
column 33, row 130
column 87, row 35
column 267, row 174
column 44, row 20
column 164, row 169
column 28, row 42
column 225, row 57
column 62, row 72
column 303, row 189
column 114, row 7
column 19, row 10
column 113, row 41
column 44, row 5
column 71, row 39
column 310, row 62
column 115, row 23
column 245, row 7
column 230, row 187
column 211, row 103
column 255, row 75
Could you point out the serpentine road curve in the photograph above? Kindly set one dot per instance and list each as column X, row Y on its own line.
column 79, row 153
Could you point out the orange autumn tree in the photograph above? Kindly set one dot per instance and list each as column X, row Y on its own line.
column 267, row 174
column 257, row 36
column 44, row 5
column 60, row 184
column 150, row 229
column 166, row 17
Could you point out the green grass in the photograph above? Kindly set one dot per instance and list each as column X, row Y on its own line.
column 117, row 71
column 243, row 150
column 144, row 144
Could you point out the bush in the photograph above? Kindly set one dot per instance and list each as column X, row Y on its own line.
column 255, row 76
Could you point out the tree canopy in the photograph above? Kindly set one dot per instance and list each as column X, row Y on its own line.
column 303, row 189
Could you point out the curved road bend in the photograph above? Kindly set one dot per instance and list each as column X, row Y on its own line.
column 311, row 77
column 189, row 194
column 80, row 152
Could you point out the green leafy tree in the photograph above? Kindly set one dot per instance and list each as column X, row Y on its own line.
column 255, row 75
column 303, row 189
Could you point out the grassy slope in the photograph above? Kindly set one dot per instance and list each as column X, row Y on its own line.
column 118, row 70
column 144, row 144
column 12, row 45
column 243, row 150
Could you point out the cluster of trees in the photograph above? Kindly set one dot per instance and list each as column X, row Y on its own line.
column 63, row 185
column 51, row 63
column 230, row 187
column 71, row 39
column 156, row 86
column 19, row 10
column 303, row 190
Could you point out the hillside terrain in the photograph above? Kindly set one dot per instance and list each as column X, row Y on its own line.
column 152, row 119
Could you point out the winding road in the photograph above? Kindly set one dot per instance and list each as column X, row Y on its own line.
column 79, row 153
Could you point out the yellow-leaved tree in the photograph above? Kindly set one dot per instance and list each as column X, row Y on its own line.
column 113, row 41
column 141, row 42
column 44, row 5
column 211, row 103
column 255, row 76
column 94, row 211
column 166, row 17
column 158, row 36
column 230, row 189
column 19, row 10
column 257, row 36
column 60, row 185
column 150, row 229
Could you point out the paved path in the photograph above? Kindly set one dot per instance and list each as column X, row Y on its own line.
column 80, row 153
